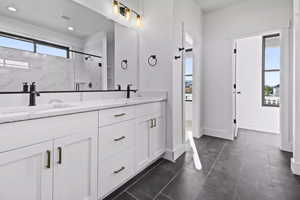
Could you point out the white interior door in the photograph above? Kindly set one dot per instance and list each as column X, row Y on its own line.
column 75, row 171
column 251, row 113
column 248, row 80
column 26, row 173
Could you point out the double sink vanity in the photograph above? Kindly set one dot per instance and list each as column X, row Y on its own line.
column 69, row 129
column 81, row 150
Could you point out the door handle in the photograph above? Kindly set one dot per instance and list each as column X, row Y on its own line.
column 59, row 155
column 48, row 166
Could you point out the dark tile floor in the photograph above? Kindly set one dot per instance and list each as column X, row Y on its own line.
column 251, row 167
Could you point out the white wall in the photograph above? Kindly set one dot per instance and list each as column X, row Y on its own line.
column 295, row 164
column 221, row 27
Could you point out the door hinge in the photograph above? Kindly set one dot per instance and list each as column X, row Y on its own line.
column 234, row 86
column 235, row 51
column 234, row 121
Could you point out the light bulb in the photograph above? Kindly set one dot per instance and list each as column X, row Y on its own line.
column 116, row 7
column 11, row 9
column 127, row 13
column 138, row 20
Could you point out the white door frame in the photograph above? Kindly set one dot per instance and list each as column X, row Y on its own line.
column 285, row 83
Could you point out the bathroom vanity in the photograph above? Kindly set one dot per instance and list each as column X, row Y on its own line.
column 78, row 151
column 51, row 149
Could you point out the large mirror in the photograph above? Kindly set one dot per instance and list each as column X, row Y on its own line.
column 63, row 46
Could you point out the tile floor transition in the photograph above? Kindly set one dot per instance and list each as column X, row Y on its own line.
column 251, row 167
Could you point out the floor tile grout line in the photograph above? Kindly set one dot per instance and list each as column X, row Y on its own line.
column 217, row 158
column 130, row 194
column 167, row 196
column 126, row 189
column 171, row 180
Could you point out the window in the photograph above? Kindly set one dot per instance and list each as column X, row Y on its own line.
column 189, row 79
column 271, row 70
column 33, row 45
column 52, row 51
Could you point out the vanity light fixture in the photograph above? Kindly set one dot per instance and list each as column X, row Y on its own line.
column 70, row 28
column 121, row 9
column 11, row 9
column 127, row 13
column 138, row 20
column 116, row 7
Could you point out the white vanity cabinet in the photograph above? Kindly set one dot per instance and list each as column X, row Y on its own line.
column 150, row 134
column 62, row 167
column 116, row 148
column 82, row 156
column 130, row 139
column 75, row 167
column 27, row 173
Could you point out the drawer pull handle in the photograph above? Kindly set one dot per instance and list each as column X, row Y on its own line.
column 118, row 171
column 119, row 139
column 48, row 166
column 59, row 155
column 120, row 115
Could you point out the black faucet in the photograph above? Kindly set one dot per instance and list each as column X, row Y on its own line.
column 128, row 90
column 119, row 87
column 32, row 94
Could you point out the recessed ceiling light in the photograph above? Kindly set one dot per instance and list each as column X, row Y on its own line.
column 70, row 28
column 12, row 9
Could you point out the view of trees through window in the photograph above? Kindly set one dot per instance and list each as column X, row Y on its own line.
column 271, row 70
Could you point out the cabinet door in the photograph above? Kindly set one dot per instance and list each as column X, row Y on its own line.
column 26, row 173
column 142, row 143
column 75, row 167
column 157, row 138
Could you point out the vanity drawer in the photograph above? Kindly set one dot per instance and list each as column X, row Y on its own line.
column 116, row 138
column 115, row 115
column 150, row 109
column 115, row 171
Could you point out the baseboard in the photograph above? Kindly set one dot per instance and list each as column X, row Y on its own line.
column 172, row 155
column 295, row 166
column 287, row 147
column 218, row 133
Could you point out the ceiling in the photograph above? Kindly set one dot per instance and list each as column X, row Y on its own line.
column 48, row 14
column 211, row 5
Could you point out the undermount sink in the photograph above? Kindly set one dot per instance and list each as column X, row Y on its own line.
column 33, row 109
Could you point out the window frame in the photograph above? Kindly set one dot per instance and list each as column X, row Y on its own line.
column 36, row 42
column 264, row 70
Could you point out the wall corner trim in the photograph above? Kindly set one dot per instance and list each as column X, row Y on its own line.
column 172, row 155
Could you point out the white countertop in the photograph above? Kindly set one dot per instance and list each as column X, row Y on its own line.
column 14, row 114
